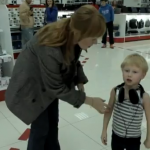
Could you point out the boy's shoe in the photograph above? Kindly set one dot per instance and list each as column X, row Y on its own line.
column 104, row 46
column 112, row 46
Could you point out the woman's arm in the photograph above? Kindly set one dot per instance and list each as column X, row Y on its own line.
column 50, row 63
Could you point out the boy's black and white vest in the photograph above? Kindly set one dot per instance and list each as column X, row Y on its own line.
column 127, row 117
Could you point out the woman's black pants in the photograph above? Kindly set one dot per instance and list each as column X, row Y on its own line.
column 44, row 130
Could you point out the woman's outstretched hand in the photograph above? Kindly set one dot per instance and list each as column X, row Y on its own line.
column 98, row 104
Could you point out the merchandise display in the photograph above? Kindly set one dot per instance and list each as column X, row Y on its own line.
column 139, row 24
column 132, row 27
column 14, row 20
column 147, row 23
column 136, row 3
column 6, row 52
column 116, row 30
column 3, row 2
column 1, row 51
column 16, row 40
column 125, row 25
column 133, row 24
column 38, row 13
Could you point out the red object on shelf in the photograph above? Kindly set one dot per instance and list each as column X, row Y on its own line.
column 2, row 95
column 16, row 55
column 14, row 149
column 25, row 135
column 117, row 40
column 130, row 39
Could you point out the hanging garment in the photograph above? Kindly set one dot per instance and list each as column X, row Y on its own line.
column 117, row 34
column 141, row 24
column 133, row 23
column 116, row 27
column 126, row 30
column 133, row 32
column 147, row 23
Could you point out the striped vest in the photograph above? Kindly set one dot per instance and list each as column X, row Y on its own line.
column 127, row 117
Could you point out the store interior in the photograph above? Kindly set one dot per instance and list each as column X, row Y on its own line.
column 80, row 129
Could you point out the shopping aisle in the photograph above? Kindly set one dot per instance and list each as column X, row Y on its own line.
column 80, row 129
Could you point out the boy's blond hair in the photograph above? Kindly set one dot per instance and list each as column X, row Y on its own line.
column 137, row 60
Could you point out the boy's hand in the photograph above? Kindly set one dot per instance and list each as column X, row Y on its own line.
column 147, row 143
column 104, row 137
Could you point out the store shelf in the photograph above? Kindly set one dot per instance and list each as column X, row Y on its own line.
column 3, row 88
column 16, row 40
column 17, row 50
column 15, row 31
column 134, row 35
column 137, row 38
column 6, row 58
column 5, row 55
column 74, row 3
column 5, row 81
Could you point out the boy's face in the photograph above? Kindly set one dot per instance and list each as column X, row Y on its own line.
column 103, row 3
column 132, row 75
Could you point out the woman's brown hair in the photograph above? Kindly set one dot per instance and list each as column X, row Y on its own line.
column 84, row 23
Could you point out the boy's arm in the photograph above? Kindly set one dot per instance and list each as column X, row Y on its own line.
column 146, row 104
column 107, row 116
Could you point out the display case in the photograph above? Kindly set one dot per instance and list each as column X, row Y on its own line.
column 14, row 23
column 136, row 3
column 6, row 53
column 132, row 27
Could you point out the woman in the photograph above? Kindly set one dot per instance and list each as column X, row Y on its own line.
column 48, row 70
column 51, row 12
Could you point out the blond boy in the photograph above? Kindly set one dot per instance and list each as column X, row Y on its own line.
column 128, row 101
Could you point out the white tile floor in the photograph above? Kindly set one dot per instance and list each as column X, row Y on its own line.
column 80, row 129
